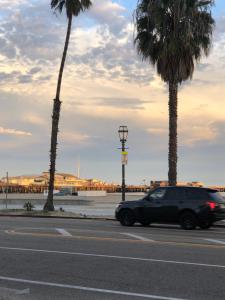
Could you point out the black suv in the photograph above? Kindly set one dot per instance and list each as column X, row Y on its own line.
column 187, row 206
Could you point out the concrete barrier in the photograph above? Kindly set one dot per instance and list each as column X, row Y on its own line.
column 92, row 193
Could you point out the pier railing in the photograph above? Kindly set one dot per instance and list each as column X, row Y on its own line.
column 12, row 188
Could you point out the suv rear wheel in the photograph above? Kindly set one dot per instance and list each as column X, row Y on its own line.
column 206, row 224
column 188, row 220
column 127, row 218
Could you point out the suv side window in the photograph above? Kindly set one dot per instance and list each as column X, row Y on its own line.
column 176, row 194
column 157, row 194
column 196, row 194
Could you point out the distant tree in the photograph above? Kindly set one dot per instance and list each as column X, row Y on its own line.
column 173, row 35
column 73, row 9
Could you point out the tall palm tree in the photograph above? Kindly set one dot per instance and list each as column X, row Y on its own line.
column 173, row 35
column 73, row 9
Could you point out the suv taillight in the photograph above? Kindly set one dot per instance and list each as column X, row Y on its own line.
column 211, row 204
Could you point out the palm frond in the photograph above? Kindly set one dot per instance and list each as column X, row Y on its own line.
column 72, row 7
column 173, row 35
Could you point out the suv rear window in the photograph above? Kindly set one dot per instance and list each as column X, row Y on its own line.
column 196, row 194
column 216, row 196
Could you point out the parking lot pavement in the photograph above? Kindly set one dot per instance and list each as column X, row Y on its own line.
column 86, row 259
column 106, row 230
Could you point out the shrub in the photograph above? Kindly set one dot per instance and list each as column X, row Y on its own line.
column 28, row 206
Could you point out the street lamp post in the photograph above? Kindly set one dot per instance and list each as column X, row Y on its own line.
column 7, row 189
column 123, row 134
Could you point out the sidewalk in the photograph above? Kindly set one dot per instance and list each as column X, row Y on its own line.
column 54, row 214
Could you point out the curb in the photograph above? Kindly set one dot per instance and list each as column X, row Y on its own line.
column 59, row 217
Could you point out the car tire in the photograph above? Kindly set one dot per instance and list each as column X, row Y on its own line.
column 127, row 218
column 145, row 223
column 188, row 220
column 206, row 224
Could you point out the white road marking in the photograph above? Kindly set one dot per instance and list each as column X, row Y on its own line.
column 88, row 289
column 215, row 241
column 153, row 231
column 115, row 257
column 23, row 292
column 63, row 232
column 7, row 292
column 138, row 237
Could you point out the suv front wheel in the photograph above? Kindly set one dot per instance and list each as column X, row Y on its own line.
column 127, row 218
column 188, row 220
column 144, row 222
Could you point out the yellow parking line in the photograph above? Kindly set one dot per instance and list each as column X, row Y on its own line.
column 188, row 244
column 13, row 232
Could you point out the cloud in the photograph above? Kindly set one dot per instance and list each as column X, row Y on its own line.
column 25, row 78
column 24, row 31
column 192, row 135
column 8, row 4
column 102, row 50
column 157, row 131
column 34, row 70
column 113, row 60
column 104, row 84
column 7, row 48
column 109, row 13
column 74, row 137
column 9, row 76
column 121, row 103
column 31, row 118
column 8, row 131
column 219, row 30
column 114, row 102
column 17, row 77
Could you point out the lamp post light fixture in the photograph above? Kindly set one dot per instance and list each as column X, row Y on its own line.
column 123, row 134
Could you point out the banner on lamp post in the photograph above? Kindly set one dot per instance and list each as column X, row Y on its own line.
column 124, row 157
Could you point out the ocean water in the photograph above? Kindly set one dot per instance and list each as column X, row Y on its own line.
column 84, row 206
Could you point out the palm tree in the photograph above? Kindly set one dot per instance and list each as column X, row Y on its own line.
column 173, row 35
column 73, row 9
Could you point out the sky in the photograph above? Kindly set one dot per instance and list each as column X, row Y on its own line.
column 105, row 85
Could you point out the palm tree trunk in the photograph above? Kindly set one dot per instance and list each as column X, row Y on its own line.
column 172, row 174
column 55, row 123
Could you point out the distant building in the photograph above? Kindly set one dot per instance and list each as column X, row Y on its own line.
column 61, row 180
column 20, row 180
column 161, row 183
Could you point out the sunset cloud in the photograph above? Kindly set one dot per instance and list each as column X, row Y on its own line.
column 105, row 84
column 74, row 137
column 8, row 131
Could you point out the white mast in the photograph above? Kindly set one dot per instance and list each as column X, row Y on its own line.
column 78, row 167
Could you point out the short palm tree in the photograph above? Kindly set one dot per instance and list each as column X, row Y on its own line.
column 173, row 35
column 73, row 9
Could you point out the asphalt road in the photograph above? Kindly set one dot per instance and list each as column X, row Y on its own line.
column 87, row 259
